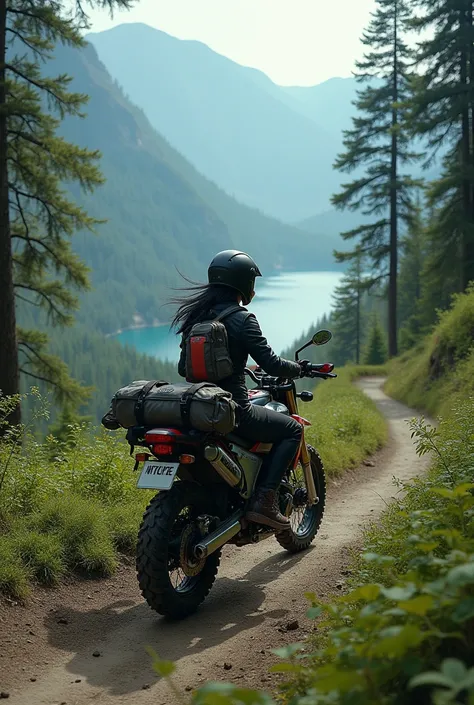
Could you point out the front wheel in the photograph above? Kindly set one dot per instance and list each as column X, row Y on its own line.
column 305, row 520
column 171, row 579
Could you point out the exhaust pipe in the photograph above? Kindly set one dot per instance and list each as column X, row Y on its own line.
column 224, row 465
column 219, row 537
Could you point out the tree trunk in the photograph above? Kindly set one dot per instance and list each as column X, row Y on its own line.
column 466, row 233
column 9, row 371
column 393, row 268
column 469, row 250
column 358, row 327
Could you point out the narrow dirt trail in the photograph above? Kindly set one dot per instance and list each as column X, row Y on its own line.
column 257, row 596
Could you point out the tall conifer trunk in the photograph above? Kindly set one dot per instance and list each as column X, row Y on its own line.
column 393, row 267
column 9, row 369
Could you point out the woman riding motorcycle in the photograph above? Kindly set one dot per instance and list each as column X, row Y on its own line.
column 231, row 279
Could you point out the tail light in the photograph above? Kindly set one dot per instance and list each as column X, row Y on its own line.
column 327, row 367
column 161, row 440
column 158, row 437
column 163, row 448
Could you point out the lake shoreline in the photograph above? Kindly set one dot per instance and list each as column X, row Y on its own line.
column 136, row 326
column 286, row 306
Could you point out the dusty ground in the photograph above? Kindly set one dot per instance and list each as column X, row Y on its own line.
column 47, row 650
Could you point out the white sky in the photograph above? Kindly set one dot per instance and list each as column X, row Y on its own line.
column 295, row 42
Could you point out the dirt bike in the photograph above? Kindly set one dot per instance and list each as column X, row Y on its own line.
column 204, row 484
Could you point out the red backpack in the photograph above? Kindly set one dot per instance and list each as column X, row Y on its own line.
column 207, row 350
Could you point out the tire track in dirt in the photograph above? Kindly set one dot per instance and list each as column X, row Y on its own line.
column 257, row 596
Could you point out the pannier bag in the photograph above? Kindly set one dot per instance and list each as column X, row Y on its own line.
column 204, row 406
column 207, row 350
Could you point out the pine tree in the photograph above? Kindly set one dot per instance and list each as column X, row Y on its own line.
column 379, row 141
column 376, row 352
column 443, row 110
column 347, row 312
column 37, row 264
column 414, row 254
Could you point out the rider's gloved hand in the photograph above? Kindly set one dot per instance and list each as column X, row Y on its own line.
column 305, row 365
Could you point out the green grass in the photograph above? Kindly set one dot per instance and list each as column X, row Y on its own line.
column 64, row 509
column 346, row 425
column 438, row 372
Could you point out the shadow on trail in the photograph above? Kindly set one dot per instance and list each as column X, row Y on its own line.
column 121, row 634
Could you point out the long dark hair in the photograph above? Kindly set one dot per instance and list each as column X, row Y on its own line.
column 197, row 304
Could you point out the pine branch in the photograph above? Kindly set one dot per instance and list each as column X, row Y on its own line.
column 53, row 308
column 28, row 373
column 24, row 40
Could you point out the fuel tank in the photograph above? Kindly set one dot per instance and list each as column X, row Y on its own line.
column 278, row 407
column 259, row 397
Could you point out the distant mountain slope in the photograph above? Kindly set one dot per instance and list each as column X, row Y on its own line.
column 231, row 122
column 329, row 103
column 331, row 223
column 161, row 212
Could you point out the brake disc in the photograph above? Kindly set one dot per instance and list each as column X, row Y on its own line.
column 190, row 565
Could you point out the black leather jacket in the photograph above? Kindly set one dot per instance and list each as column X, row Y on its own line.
column 245, row 338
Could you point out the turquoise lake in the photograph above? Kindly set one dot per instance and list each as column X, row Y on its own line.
column 286, row 305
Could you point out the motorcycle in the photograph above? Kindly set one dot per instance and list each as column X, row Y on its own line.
column 204, row 483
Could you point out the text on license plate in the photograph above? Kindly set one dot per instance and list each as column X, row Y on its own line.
column 156, row 475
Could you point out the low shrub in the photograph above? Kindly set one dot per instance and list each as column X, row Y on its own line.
column 41, row 554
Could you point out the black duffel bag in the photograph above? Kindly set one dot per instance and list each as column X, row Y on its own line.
column 203, row 406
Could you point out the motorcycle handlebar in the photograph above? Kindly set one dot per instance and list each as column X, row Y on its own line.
column 313, row 371
column 250, row 373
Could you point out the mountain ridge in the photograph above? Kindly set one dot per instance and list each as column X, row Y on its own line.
column 244, row 134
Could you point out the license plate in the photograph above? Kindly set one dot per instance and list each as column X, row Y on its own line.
column 156, row 475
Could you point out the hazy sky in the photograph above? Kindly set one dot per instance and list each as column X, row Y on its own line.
column 295, row 42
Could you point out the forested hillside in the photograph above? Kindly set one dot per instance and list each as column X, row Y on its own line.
column 161, row 213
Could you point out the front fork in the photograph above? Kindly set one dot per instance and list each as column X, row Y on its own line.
column 303, row 456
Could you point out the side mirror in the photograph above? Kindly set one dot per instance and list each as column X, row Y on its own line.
column 321, row 337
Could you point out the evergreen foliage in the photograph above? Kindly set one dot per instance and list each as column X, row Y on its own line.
column 380, row 141
column 443, row 110
column 37, row 219
column 347, row 313
column 376, row 352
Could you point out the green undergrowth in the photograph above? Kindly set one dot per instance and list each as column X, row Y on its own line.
column 439, row 371
column 64, row 508
column 346, row 424
column 404, row 633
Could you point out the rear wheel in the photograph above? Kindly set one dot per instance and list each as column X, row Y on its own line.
column 171, row 579
column 305, row 520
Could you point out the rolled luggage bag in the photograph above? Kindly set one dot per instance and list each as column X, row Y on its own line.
column 204, row 406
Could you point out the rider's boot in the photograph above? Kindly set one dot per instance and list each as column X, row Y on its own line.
column 264, row 509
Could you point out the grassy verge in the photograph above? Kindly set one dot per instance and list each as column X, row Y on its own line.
column 64, row 508
column 346, row 425
column 439, row 372
column 74, row 508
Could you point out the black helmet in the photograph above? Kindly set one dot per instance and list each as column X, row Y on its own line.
column 236, row 270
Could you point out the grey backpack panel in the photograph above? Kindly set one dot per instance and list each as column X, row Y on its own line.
column 207, row 350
